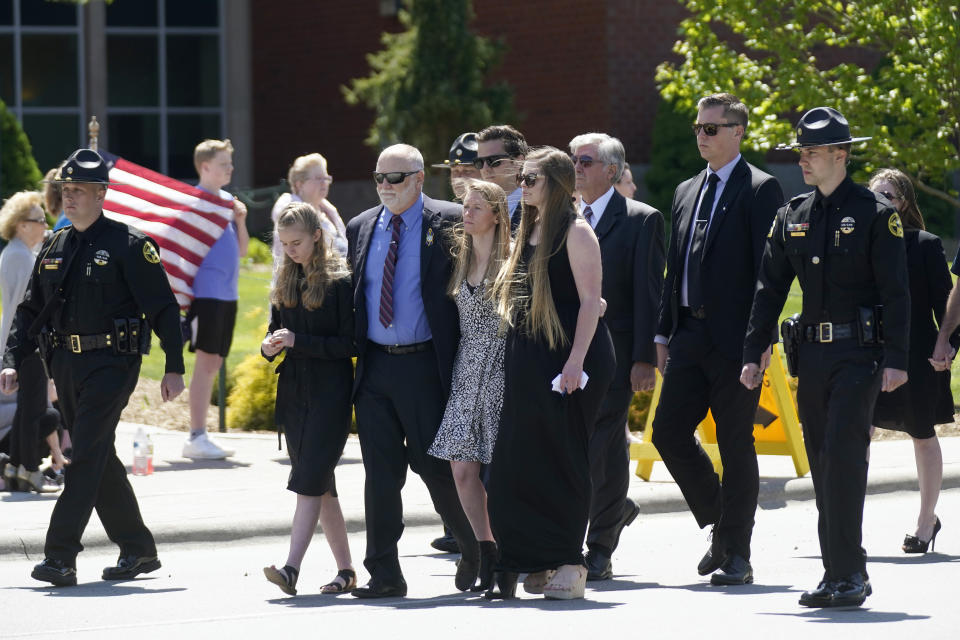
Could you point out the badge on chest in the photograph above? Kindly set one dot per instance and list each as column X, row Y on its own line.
column 51, row 263
column 798, row 228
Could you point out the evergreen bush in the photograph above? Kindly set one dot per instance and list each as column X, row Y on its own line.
column 251, row 402
column 18, row 169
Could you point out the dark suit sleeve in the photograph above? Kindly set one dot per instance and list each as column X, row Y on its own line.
column 340, row 345
column 937, row 276
column 273, row 326
column 768, row 200
column 648, row 259
column 666, row 320
column 773, row 287
column 888, row 256
column 151, row 289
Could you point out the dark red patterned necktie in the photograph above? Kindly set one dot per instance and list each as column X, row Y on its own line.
column 389, row 269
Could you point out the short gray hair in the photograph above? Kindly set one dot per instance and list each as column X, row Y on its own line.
column 407, row 152
column 609, row 149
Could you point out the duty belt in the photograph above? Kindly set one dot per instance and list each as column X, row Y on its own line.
column 829, row 331
column 79, row 344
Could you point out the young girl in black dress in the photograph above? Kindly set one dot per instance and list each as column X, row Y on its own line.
column 311, row 317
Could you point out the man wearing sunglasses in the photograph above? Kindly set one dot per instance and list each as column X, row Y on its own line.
column 720, row 221
column 632, row 252
column 407, row 331
column 502, row 150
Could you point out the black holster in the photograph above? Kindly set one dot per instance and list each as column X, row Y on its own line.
column 131, row 336
column 792, row 332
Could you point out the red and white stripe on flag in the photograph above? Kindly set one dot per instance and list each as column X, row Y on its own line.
column 183, row 220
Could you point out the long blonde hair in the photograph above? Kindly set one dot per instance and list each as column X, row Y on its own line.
column 324, row 267
column 555, row 216
column 463, row 241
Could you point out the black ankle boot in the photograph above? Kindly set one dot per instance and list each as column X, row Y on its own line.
column 488, row 560
column 506, row 586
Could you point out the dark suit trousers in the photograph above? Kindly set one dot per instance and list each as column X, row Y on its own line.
column 696, row 378
column 609, row 455
column 93, row 389
column 399, row 405
column 836, row 393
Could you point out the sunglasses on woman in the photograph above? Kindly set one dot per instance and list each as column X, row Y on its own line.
column 529, row 179
column 711, row 128
column 889, row 196
column 393, row 177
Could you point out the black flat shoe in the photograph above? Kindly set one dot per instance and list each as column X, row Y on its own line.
column 488, row 560
column 599, row 566
column 504, row 586
column 913, row 544
column 820, row 597
column 374, row 589
column 129, row 567
column 851, row 591
column 55, row 572
column 446, row 543
column 734, row 570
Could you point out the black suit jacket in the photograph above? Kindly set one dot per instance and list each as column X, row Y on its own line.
column 731, row 255
column 435, row 271
column 632, row 251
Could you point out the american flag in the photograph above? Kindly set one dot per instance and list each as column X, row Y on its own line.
column 183, row 220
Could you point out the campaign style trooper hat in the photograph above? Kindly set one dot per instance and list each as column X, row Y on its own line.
column 84, row 165
column 463, row 151
column 820, row 127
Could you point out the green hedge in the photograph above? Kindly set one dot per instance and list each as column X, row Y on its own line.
column 18, row 169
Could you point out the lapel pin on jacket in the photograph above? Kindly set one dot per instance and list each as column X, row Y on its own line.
column 430, row 237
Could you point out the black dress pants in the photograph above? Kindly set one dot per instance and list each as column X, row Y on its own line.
column 697, row 378
column 836, row 392
column 400, row 404
column 93, row 389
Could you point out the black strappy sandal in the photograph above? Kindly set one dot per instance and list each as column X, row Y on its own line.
column 285, row 578
column 334, row 587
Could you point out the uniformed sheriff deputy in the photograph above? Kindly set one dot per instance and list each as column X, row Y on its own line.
column 845, row 244
column 96, row 290
column 463, row 152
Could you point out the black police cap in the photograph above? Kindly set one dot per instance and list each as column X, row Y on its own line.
column 463, row 151
column 820, row 127
column 84, row 165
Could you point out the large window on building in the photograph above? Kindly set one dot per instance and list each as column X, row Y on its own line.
column 41, row 74
column 164, row 80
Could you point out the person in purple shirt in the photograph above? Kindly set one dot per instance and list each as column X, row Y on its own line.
column 214, row 308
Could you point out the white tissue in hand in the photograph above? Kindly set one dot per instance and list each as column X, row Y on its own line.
column 555, row 384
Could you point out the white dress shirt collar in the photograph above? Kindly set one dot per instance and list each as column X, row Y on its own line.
column 598, row 206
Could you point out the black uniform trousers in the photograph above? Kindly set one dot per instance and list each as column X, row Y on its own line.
column 400, row 404
column 33, row 420
column 610, row 458
column 836, row 392
column 697, row 378
column 93, row 389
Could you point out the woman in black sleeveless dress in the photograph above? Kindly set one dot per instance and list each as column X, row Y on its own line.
column 539, row 490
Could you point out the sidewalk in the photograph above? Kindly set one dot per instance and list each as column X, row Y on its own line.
column 246, row 496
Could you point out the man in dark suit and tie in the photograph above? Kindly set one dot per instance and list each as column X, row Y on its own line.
column 632, row 251
column 407, row 336
column 720, row 219
column 500, row 155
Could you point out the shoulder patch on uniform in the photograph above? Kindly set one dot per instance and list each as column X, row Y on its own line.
column 894, row 224
column 150, row 254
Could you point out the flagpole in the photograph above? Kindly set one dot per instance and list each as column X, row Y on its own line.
column 94, row 130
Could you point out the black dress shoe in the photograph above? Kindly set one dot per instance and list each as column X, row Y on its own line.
column 55, row 572
column 735, row 570
column 599, row 566
column 129, row 567
column 822, row 596
column 375, row 589
column 713, row 558
column 446, row 543
column 630, row 513
column 851, row 591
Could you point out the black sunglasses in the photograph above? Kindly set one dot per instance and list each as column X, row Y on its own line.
column 711, row 128
column 492, row 161
column 585, row 161
column 889, row 196
column 393, row 177
column 529, row 179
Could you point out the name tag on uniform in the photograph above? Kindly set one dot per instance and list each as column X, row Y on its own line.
column 51, row 263
column 798, row 228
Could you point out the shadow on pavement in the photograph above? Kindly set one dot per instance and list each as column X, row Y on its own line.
column 855, row 615
column 920, row 558
column 735, row 590
column 26, row 496
column 451, row 600
column 187, row 465
column 97, row 590
column 618, row 583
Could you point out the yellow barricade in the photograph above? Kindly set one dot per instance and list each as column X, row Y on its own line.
column 776, row 430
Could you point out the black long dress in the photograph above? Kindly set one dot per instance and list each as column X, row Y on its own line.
column 925, row 400
column 313, row 392
column 539, row 489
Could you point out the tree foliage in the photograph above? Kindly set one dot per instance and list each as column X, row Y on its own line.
column 771, row 54
column 18, row 168
column 427, row 84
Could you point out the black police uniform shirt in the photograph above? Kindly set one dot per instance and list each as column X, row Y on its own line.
column 848, row 252
column 116, row 273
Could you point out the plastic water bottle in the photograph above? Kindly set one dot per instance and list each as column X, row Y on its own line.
column 142, row 454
